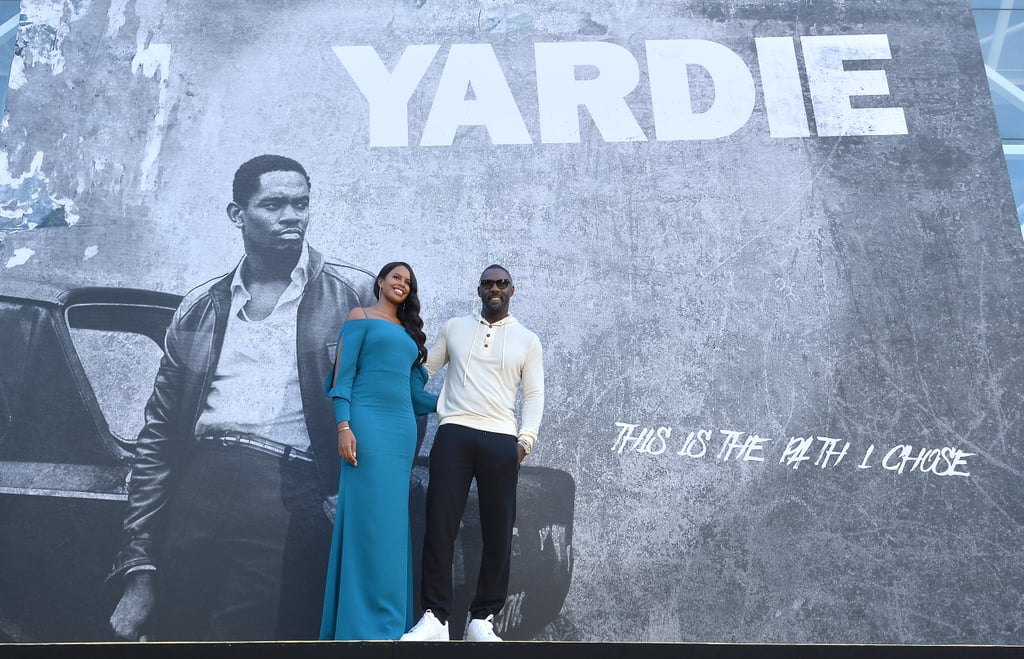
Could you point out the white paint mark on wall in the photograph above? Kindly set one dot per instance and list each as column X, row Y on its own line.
column 115, row 17
column 17, row 73
column 5, row 169
column 90, row 251
column 25, row 193
column 25, row 199
column 20, row 257
column 44, row 26
column 71, row 215
column 154, row 60
column 555, row 534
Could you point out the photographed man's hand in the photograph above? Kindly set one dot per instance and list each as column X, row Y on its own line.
column 522, row 453
column 135, row 607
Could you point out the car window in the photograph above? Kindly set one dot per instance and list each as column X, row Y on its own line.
column 52, row 415
column 17, row 322
column 121, row 367
column 119, row 344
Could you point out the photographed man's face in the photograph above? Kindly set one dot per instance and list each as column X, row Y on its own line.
column 275, row 218
column 495, row 289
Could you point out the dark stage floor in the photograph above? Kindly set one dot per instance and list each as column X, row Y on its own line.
column 513, row 650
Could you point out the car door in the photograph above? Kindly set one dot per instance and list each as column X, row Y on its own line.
column 74, row 378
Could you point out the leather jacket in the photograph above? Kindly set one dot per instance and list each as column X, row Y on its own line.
column 191, row 352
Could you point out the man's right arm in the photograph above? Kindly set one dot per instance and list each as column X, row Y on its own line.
column 533, row 398
column 158, row 449
column 437, row 356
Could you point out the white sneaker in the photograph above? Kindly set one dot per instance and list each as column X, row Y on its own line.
column 481, row 630
column 429, row 628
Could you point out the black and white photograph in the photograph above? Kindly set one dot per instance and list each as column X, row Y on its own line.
column 646, row 322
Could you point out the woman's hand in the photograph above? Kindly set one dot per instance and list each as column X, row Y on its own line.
column 347, row 444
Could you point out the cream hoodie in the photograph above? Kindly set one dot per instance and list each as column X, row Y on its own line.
column 486, row 364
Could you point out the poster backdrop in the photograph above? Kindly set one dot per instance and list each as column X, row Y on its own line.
column 769, row 248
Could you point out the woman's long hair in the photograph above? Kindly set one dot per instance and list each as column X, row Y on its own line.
column 408, row 311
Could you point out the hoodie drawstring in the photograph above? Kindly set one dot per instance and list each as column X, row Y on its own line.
column 465, row 372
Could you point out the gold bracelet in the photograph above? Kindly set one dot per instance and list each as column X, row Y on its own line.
column 341, row 427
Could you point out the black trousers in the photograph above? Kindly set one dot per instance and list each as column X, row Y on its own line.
column 459, row 455
column 244, row 552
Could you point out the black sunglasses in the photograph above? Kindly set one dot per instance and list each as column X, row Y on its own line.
column 502, row 283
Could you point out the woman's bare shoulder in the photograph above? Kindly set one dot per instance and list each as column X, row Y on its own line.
column 357, row 313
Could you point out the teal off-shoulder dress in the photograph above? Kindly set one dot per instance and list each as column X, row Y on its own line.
column 369, row 577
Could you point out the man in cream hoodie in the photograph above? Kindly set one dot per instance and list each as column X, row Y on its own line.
column 489, row 355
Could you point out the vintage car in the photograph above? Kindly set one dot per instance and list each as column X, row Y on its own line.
column 76, row 368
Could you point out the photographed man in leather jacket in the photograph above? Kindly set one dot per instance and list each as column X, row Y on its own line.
column 225, row 531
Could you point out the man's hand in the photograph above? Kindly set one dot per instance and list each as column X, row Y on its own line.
column 135, row 607
column 522, row 453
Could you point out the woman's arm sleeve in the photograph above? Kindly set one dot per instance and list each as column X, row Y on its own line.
column 423, row 402
column 339, row 383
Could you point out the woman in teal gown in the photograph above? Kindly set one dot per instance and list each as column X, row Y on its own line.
column 377, row 388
